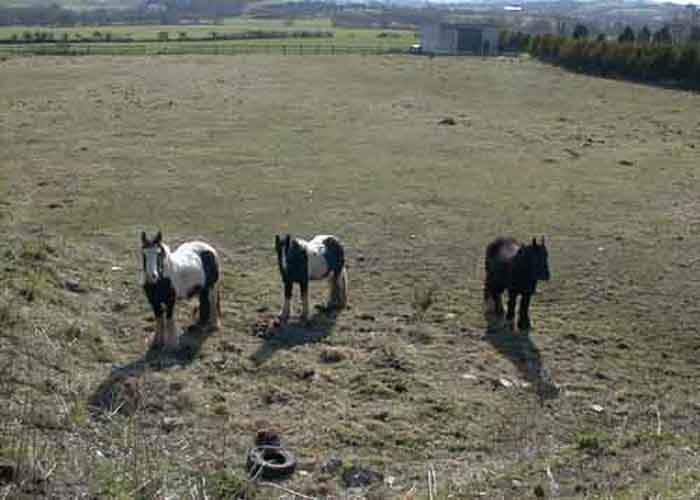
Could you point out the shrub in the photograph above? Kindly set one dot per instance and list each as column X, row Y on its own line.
column 580, row 31
column 644, row 36
column 663, row 36
column 627, row 36
column 687, row 64
column 660, row 61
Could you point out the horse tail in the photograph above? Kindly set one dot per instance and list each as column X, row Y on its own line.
column 211, row 265
column 335, row 258
column 487, row 275
column 342, row 286
column 489, row 260
column 341, row 256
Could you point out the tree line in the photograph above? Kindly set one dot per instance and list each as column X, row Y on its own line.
column 163, row 12
column 642, row 55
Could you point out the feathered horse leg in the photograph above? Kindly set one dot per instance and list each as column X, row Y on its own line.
column 170, row 328
column 337, row 291
column 215, row 307
column 158, row 338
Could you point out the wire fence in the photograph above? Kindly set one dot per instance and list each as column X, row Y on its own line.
column 112, row 49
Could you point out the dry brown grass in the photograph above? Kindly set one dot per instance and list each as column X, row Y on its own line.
column 234, row 150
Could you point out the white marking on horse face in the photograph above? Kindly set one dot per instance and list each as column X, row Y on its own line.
column 150, row 255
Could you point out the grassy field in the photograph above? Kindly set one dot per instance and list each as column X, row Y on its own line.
column 343, row 38
column 93, row 150
column 141, row 32
column 231, row 25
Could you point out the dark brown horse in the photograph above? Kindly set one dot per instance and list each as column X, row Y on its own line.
column 516, row 267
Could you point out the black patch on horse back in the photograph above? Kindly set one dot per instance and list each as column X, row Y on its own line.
column 334, row 255
column 211, row 270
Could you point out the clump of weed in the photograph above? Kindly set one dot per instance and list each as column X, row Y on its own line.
column 332, row 355
column 122, row 394
column 89, row 335
column 649, row 439
column 36, row 250
column 388, row 356
column 594, row 443
column 225, row 484
column 275, row 395
column 419, row 335
column 423, row 298
column 8, row 311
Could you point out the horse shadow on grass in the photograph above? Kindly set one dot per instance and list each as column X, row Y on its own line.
column 524, row 354
column 122, row 392
column 294, row 333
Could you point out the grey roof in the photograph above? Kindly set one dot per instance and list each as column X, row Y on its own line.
column 462, row 26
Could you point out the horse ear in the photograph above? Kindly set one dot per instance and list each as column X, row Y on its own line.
column 542, row 241
column 144, row 238
column 534, row 242
column 159, row 238
column 278, row 242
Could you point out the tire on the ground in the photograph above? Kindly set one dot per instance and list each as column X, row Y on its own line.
column 276, row 462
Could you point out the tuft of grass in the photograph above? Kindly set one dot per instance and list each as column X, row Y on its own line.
column 422, row 300
column 35, row 250
column 332, row 355
column 227, row 484
column 89, row 335
column 595, row 443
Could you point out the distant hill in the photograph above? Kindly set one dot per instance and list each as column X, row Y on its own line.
column 73, row 4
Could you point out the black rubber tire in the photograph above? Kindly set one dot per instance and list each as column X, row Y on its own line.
column 276, row 462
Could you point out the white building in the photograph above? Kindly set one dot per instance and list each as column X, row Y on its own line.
column 454, row 38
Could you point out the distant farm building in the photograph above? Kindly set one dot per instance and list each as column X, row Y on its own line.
column 453, row 38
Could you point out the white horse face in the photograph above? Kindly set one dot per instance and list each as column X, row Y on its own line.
column 153, row 256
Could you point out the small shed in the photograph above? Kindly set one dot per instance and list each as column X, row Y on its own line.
column 457, row 38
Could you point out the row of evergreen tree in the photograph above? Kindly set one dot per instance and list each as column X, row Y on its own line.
column 639, row 56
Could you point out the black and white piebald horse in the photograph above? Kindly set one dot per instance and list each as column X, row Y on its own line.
column 301, row 261
column 516, row 267
column 192, row 269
